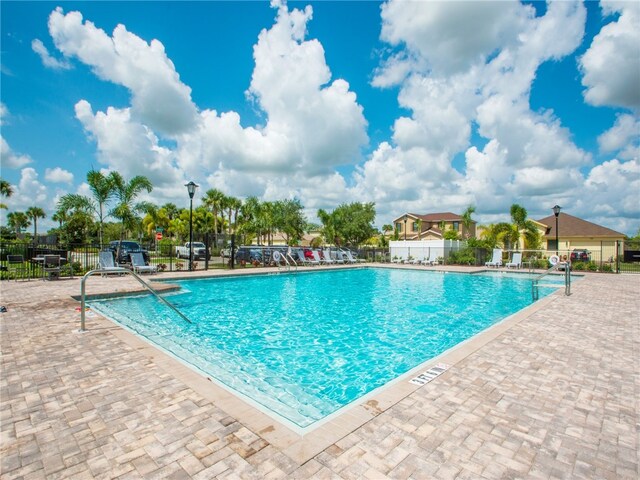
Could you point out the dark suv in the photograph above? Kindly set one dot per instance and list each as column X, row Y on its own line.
column 580, row 255
column 126, row 248
column 248, row 254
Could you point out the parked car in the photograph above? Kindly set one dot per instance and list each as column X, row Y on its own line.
column 580, row 255
column 248, row 254
column 199, row 251
column 126, row 248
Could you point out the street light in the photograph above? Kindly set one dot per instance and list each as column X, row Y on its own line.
column 191, row 188
column 405, row 228
column 556, row 212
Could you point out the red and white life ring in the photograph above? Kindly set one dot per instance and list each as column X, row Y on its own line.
column 553, row 259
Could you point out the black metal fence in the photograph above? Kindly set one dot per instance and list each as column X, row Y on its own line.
column 79, row 259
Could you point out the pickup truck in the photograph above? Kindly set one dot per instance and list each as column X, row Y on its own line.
column 199, row 251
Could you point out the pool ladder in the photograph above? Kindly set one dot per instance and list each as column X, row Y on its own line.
column 535, row 283
column 128, row 272
column 288, row 262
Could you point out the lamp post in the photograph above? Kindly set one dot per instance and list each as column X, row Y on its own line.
column 405, row 228
column 556, row 212
column 191, row 188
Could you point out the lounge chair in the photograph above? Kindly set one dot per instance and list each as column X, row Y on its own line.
column 349, row 257
column 516, row 261
column 139, row 266
column 326, row 257
column 106, row 263
column 496, row 260
column 316, row 257
column 433, row 258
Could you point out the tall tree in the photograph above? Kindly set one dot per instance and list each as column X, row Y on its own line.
column 467, row 221
column 6, row 190
column 521, row 226
column 34, row 213
column 126, row 209
column 102, row 188
column 349, row 224
column 289, row 219
column 213, row 199
column 18, row 221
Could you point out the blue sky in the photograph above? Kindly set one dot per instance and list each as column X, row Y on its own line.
column 416, row 106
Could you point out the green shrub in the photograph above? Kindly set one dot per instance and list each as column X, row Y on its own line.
column 592, row 266
column 578, row 266
column 607, row 268
column 466, row 256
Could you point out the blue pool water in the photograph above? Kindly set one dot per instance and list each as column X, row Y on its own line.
column 304, row 345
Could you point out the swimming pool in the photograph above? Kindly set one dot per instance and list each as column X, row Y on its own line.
column 304, row 345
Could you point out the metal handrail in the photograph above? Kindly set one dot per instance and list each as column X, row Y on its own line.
column 535, row 293
column 119, row 270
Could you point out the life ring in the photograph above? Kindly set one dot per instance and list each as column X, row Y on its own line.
column 553, row 259
column 276, row 256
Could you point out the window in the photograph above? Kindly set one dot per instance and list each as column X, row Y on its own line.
column 456, row 226
column 415, row 226
column 398, row 227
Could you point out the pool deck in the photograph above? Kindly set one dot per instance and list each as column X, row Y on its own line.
column 551, row 392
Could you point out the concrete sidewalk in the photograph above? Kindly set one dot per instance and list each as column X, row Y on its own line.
column 554, row 395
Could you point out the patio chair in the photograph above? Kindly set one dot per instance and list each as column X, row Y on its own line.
column 139, row 265
column 16, row 265
column 496, row 260
column 51, row 266
column 316, row 257
column 326, row 255
column 106, row 263
column 349, row 257
column 516, row 261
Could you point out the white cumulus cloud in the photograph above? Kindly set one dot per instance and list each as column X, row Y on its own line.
column 11, row 159
column 611, row 65
column 58, row 175
column 47, row 60
column 159, row 98
column 623, row 137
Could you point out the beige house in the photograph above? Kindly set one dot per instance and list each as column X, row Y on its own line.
column 429, row 226
column 575, row 233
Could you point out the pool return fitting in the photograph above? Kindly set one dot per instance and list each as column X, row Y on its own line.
column 119, row 270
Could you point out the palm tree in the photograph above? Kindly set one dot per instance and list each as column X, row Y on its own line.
column 18, row 221
column 126, row 192
column 419, row 225
column 235, row 205
column 467, row 221
column 102, row 187
column 34, row 213
column 5, row 190
column 521, row 226
column 213, row 199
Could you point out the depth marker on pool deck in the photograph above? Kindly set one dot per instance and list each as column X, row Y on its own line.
column 433, row 372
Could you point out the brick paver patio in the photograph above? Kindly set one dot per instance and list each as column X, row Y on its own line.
column 554, row 395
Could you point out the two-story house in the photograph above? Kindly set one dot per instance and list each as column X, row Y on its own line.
column 431, row 226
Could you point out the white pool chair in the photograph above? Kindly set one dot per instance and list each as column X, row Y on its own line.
column 516, row 261
column 496, row 260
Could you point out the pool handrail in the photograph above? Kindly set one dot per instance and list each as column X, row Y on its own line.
column 535, row 294
column 100, row 271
